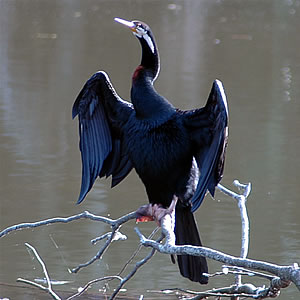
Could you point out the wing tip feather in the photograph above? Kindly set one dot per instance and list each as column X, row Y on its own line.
column 82, row 195
column 218, row 86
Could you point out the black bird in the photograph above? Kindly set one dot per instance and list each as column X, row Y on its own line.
column 177, row 154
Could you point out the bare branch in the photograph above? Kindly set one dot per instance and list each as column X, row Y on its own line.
column 286, row 273
column 241, row 201
column 111, row 236
column 85, row 215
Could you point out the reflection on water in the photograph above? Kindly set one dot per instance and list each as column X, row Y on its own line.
column 48, row 50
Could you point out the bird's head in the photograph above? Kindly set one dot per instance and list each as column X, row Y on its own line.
column 141, row 30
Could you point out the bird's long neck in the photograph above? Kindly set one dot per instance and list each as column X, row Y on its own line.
column 150, row 57
column 146, row 101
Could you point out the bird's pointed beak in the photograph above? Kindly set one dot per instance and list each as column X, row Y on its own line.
column 129, row 24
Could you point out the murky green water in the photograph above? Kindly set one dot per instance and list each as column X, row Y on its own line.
column 48, row 49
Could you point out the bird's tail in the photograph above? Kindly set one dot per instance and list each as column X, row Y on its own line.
column 186, row 233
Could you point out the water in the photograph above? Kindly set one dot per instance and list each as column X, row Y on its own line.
column 49, row 49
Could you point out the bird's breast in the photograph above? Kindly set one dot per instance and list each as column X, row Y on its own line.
column 156, row 150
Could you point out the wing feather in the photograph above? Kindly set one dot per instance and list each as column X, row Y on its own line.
column 101, row 113
column 209, row 132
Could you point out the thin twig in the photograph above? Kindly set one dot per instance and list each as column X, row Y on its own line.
column 97, row 256
column 49, row 286
column 138, row 265
column 82, row 290
column 38, row 286
column 136, row 252
column 247, row 272
column 100, row 238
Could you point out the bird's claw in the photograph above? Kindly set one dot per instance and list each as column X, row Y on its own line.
column 154, row 212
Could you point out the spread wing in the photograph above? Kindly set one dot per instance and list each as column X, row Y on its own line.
column 101, row 113
column 209, row 132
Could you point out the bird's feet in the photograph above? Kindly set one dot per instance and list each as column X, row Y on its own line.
column 154, row 212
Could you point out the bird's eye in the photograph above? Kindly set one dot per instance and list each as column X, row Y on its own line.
column 140, row 27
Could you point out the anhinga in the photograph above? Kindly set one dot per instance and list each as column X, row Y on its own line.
column 177, row 154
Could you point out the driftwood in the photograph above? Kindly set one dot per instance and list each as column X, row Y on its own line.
column 279, row 276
